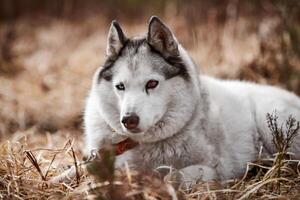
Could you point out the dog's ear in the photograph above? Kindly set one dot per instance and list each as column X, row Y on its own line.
column 160, row 37
column 115, row 40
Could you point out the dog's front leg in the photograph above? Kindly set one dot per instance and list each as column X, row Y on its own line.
column 97, row 131
column 125, row 158
column 191, row 174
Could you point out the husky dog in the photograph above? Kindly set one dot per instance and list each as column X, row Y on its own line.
column 149, row 90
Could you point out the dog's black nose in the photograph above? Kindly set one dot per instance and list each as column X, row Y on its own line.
column 131, row 121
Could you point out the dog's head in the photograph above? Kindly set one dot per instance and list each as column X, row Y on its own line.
column 144, row 87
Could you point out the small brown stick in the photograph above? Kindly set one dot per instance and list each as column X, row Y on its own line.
column 34, row 162
column 76, row 166
column 50, row 165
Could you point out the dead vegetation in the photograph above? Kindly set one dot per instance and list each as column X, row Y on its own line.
column 27, row 172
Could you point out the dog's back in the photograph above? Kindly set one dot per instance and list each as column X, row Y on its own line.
column 246, row 100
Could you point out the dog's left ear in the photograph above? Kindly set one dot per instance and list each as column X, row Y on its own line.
column 160, row 37
column 115, row 40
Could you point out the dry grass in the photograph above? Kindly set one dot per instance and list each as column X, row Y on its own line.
column 28, row 172
column 42, row 90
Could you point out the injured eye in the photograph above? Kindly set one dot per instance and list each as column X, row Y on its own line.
column 120, row 86
column 151, row 84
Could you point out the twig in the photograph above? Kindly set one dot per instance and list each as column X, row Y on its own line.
column 34, row 162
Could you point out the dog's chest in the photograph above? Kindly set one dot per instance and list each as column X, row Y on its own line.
column 170, row 154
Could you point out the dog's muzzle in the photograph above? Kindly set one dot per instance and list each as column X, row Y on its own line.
column 131, row 122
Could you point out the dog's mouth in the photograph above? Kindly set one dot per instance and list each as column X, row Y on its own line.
column 158, row 125
column 135, row 131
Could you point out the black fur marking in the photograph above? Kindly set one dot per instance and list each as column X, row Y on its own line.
column 122, row 38
column 105, row 72
column 177, row 68
column 134, row 45
column 130, row 45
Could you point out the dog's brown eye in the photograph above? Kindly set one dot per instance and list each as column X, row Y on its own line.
column 120, row 86
column 151, row 84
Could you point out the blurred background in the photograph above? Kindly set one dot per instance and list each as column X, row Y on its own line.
column 49, row 50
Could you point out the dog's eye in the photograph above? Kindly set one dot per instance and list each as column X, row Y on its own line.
column 120, row 86
column 151, row 84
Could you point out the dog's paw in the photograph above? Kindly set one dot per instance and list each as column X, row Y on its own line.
column 123, row 160
column 191, row 175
